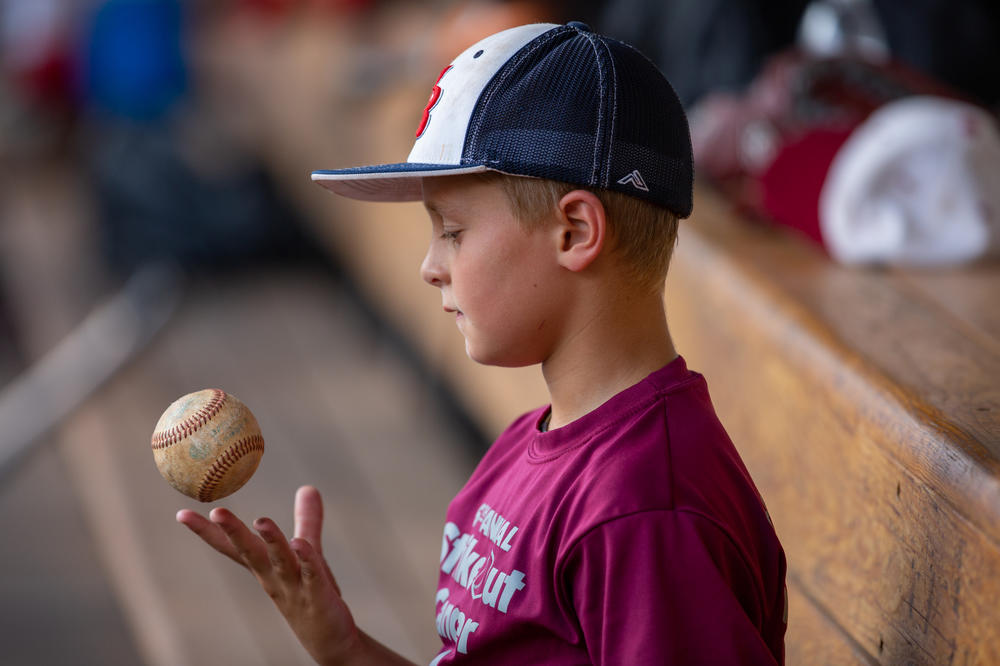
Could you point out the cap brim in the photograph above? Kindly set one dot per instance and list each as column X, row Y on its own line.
column 387, row 182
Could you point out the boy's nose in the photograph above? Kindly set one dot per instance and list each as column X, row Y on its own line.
column 431, row 270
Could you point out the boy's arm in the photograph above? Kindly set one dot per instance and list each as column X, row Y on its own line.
column 296, row 577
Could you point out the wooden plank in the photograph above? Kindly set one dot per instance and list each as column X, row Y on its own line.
column 967, row 294
column 814, row 639
column 945, row 384
column 51, row 580
column 886, row 508
column 51, row 277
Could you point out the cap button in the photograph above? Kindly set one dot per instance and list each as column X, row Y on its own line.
column 579, row 25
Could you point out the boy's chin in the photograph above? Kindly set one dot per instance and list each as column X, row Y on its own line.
column 497, row 358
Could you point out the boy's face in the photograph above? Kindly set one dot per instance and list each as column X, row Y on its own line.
column 500, row 280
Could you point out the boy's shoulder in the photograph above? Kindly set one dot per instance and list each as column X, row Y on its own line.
column 657, row 446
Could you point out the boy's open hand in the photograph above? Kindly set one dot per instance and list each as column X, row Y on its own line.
column 294, row 574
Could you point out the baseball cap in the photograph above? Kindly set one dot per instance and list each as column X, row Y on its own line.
column 547, row 101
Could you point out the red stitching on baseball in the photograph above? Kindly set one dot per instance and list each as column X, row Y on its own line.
column 222, row 464
column 191, row 424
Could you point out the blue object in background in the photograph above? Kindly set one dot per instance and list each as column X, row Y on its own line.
column 135, row 64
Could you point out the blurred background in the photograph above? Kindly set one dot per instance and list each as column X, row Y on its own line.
column 159, row 234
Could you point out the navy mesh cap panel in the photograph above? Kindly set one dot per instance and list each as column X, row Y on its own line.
column 538, row 114
column 651, row 133
column 561, row 102
column 576, row 107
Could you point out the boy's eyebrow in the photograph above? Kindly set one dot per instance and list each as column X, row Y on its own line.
column 438, row 207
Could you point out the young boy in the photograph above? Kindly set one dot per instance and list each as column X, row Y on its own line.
column 617, row 525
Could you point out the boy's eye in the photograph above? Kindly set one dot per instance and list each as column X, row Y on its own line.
column 450, row 235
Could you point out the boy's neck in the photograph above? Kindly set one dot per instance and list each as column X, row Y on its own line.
column 609, row 351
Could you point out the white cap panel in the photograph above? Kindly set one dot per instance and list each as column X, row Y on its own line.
column 461, row 85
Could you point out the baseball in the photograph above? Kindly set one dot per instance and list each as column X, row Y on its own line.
column 207, row 444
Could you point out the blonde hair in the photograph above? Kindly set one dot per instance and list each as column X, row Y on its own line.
column 644, row 234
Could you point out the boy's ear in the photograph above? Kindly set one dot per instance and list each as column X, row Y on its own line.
column 582, row 229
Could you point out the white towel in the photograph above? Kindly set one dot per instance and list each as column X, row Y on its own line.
column 917, row 183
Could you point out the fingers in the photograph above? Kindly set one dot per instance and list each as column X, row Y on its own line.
column 309, row 517
column 284, row 563
column 315, row 572
column 250, row 549
column 279, row 565
column 210, row 533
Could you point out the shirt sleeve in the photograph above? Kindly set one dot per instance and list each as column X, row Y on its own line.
column 665, row 587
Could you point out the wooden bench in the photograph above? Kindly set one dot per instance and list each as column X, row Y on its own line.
column 866, row 404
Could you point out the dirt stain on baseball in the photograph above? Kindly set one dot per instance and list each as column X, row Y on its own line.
column 200, row 450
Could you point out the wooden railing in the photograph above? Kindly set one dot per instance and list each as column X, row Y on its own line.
column 866, row 405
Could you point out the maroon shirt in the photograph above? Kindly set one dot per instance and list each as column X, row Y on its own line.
column 633, row 535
